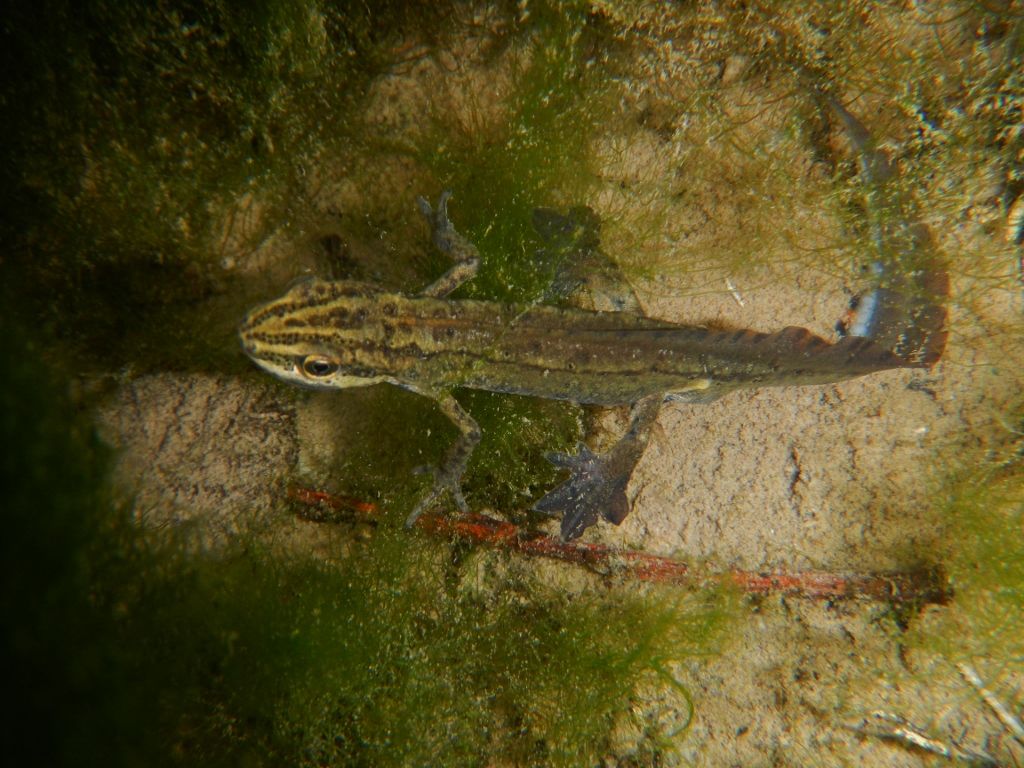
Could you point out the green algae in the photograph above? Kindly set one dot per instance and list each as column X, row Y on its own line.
column 984, row 510
column 123, row 650
column 380, row 663
column 168, row 118
column 142, row 136
column 539, row 150
column 162, row 129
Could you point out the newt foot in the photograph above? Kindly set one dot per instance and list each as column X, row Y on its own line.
column 594, row 490
column 444, row 483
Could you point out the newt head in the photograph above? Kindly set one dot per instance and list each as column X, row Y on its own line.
column 304, row 337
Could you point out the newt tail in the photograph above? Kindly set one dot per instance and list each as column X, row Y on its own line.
column 905, row 310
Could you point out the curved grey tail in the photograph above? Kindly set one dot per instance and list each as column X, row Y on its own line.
column 904, row 311
column 906, row 317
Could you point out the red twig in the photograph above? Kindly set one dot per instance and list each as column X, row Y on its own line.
column 918, row 587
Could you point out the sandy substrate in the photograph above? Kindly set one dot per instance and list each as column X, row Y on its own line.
column 761, row 480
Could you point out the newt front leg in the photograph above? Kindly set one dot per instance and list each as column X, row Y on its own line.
column 448, row 477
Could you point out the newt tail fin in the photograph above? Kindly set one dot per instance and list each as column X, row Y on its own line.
column 904, row 309
column 907, row 318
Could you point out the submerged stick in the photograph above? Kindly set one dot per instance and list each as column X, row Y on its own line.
column 906, row 587
column 1007, row 718
column 893, row 727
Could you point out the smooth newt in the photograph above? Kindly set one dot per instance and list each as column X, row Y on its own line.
column 348, row 334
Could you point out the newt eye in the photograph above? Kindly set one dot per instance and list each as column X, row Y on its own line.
column 318, row 366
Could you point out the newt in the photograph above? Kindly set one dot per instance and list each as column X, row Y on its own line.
column 342, row 334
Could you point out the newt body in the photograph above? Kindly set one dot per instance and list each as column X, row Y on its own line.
column 346, row 334
column 363, row 335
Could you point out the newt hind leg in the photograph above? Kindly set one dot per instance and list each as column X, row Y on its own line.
column 584, row 276
column 592, row 491
column 596, row 487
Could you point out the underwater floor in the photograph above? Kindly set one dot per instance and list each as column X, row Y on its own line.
column 209, row 566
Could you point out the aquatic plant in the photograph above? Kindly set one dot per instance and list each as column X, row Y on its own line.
column 122, row 649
